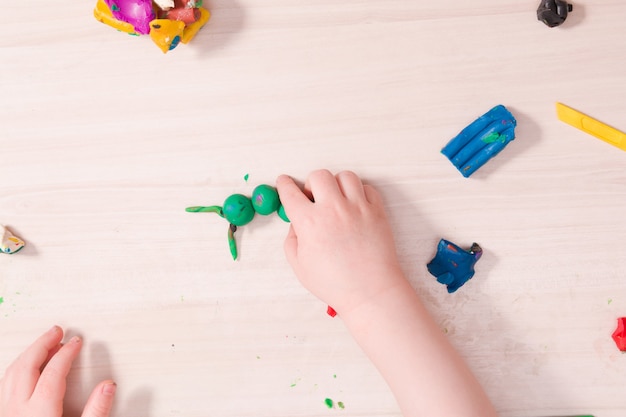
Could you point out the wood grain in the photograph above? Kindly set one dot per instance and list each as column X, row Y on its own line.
column 105, row 141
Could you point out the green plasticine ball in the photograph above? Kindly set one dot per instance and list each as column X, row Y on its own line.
column 265, row 199
column 238, row 209
column 282, row 214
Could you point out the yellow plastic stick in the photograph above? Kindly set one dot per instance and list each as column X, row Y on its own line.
column 592, row 126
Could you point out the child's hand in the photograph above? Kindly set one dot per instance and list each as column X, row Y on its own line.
column 34, row 385
column 341, row 247
column 340, row 244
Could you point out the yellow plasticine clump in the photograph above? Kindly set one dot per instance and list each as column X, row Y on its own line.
column 192, row 29
column 165, row 33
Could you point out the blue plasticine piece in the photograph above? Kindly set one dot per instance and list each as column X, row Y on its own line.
column 453, row 266
column 481, row 140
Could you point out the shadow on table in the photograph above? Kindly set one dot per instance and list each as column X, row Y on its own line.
column 139, row 404
column 79, row 387
column 575, row 17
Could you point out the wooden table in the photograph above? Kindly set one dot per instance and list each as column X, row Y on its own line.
column 105, row 140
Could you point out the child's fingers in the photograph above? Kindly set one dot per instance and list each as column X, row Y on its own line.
column 52, row 382
column 350, row 185
column 26, row 370
column 372, row 195
column 51, row 353
column 323, row 186
column 291, row 197
column 100, row 401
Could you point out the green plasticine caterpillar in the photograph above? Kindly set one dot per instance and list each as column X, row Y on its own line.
column 239, row 210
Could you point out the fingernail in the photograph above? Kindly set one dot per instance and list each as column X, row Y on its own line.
column 109, row 389
column 53, row 329
column 75, row 339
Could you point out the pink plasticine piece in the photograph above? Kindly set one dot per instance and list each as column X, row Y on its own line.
column 138, row 13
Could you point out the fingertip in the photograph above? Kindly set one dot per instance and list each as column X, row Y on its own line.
column 109, row 388
column 283, row 182
column 75, row 341
column 288, row 190
column 55, row 333
column 100, row 402
column 55, row 329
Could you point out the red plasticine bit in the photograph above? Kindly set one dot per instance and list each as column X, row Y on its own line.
column 331, row 311
column 619, row 335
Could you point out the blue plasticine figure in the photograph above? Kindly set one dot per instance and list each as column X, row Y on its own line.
column 452, row 265
column 481, row 140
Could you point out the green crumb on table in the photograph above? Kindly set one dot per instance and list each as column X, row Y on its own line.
column 1, row 300
column 340, row 405
column 610, row 301
column 246, row 177
column 329, row 403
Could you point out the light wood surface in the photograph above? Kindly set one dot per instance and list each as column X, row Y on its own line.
column 105, row 141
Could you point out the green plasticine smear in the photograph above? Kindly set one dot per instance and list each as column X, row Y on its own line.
column 205, row 209
column 492, row 137
column 331, row 404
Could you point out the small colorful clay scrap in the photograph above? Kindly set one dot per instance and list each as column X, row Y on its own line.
column 553, row 12
column 239, row 210
column 452, row 265
column 481, row 140
column 9, row 243
column 168, row 22
column 619, row 335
